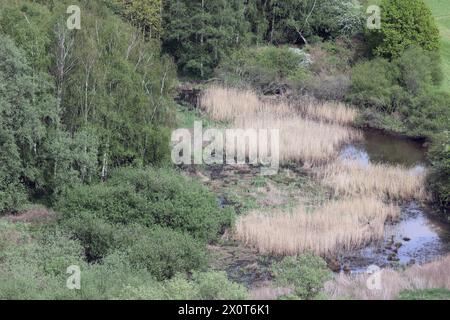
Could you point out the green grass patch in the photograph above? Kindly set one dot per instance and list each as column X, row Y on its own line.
column 429, row 294
column 441, row 12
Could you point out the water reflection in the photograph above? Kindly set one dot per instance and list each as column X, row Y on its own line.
column 416, row 237
column 379, row 147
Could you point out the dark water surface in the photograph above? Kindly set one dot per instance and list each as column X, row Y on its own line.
column 378, row 147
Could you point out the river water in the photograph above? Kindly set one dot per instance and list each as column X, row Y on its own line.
column 418, row 236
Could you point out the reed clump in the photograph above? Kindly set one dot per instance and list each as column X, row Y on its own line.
column 328, row 111
column 418, row 277
column 339, row 225
column 350, row 178
column 227, row 104
column 301, row 139
column 224, row 104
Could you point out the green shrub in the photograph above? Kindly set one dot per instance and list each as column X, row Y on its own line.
column 306, row 273
column 428, row 113
column 391, row 86
column 148, row 197
column 418, row 69
column 404, row 24
column 56, row 251
column 210, row 285
column 439, row 178
column 97, row 236
column 267, row 68
column 165, row 252
column 216, row 286
column 373, row 84
column 33, row 264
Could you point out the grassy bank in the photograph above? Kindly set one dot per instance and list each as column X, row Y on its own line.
column 441, row 12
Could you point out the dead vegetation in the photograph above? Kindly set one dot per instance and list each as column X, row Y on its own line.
column 343, row 224
column 376, row 180
column 432, row 275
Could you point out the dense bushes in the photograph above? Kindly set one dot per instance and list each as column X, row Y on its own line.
column 164, row 252
column 147, row 197
column 27, row 113
column 404, row 24
column 388, row 85
column 203, row 286
column 198, row 34
column 373, row 85
column 306, row 273
column 33, row 263
column 270, row 69
column 300, row 21
column 440, row 175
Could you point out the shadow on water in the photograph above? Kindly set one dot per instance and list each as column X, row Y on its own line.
column 379, row 147
column 418, row 237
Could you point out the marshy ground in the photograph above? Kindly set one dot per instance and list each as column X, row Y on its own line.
column 356, row 198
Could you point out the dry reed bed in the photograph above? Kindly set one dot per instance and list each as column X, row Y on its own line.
column 350, row 178
column 331, row 112
column 429, row 276
column 344, row 224
column 226, row 104
column 302, row 140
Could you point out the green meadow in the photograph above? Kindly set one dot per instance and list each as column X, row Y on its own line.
column 441, row 11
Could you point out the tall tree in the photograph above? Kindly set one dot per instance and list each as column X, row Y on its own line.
column 198, row 33
column 144, row 14
column 404, row 24
column 294, row 21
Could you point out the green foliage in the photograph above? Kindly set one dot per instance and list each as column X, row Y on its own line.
column 147, row 197
column 428, row 294
column 144, row 14
column 28, row 120
column 428, row 114
column 216, row 286
column 295, row 21
column 30, row 26
column 267, row 68
column 404, row 24
column 439, row 179
column 165, row 252
column 306, row 273
column 441, row 12
column 97, row 236
column 84, row 101
column 373, row 85
column 33, row 265
column 208, row 285
column 418, row 70
column 198, row 33
column 392, row 85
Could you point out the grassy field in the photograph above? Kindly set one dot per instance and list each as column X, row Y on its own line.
column 441, row 11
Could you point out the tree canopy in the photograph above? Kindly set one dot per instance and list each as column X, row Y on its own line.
column 404, row 24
